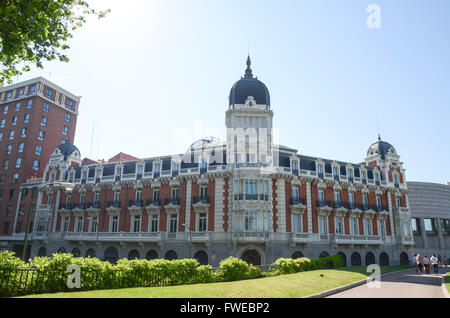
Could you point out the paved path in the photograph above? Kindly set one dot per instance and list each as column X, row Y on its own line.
column 407, row 284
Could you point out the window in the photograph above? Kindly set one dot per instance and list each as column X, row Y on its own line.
column 29, row 103
column 23, row 133
column 96, row 198
column 116, row 196
column 79, row 224
column 66, row 130
column 18, row 162
column 2, row 123
column 381, row 227
column 11, row 135
column 202, row 222
column 203, row 191
column 1, row 136
column 354, row 226
column 48, row 93
column 69, row 104
column 9, row 210
column 157, row 168
column 8, row 149
column 36, row 164
column 363, row 175
column 41, row 135
column 296, row 223
column 377, row 177
column 156, row 194
column 320, row 169
column 67, row 117
column 294, row 165
column 26, row 118
column 8, row 95
column 93, row 224
column 323, row 225
column 5, row 109
column 154, row 223
column 14, row 121
column 294, row 193
column 138, row 197
column 20, row 93
column 38, row 150
column 176, row 167
column 12, row 195
column 368, row 227
column 19, row 227
column 445, row 226
column 250, row 221
column 17, row 107
column 114, row 226
column 349, row 173
column 20, row 149
column 82, row 198
column 173, row 224
column 65, row 224
column 378, row 201
column 32, row 88
column 339, row 225
column 415, row 225
column 136, row 223
column 46, row 107
column 321, row 196
column 365, row 201
column 337, row 197
column 351, row 198
column 5, row 164
column 429, row 225
column 5, row 228
column 44, row 121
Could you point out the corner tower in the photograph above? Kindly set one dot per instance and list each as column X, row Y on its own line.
column 249, row 121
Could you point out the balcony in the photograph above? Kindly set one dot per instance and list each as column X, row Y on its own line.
column 113, row 208
column 172, row 201
column 340, row 208
column 342, row 239
column 251, row 197
column 202, row 199
column 137, row 203
column 251, row 236
column 299, row 237
column 114, row 237
column 200, row 236
column 153, row 206
column 201, row 204
column 298, row 205
column 324, row 207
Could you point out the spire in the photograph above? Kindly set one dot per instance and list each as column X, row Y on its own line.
column 379, row 138
column 248, row 71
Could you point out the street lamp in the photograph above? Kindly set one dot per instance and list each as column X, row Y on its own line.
column 58, row 184
column 190, row 238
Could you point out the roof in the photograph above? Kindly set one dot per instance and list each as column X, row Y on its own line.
column 122, row 157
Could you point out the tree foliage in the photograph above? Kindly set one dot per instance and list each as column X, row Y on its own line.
column 32, row 32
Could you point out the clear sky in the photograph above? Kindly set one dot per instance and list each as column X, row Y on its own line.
column 155, row 76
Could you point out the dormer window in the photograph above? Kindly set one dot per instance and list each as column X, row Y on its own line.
column 157, row 167
column 377, row 177
column 320, row 168
column 294, row 165
column 176, row 167
column 349, row 173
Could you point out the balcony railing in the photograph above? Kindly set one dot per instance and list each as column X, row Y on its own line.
column 251, row 197
column 296, row 201
column 202, row 199
column 93, row 205
column 155, row 202
column 251, row 236
column 173, row 201
column 135, row 203
column 339, row 204
column 114, row 204
column 322, row 203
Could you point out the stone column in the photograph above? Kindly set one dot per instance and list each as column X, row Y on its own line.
column 423, row 233
column 17, row 211
column 309, row 206
column 187, row 220
column 281, row 207
column 218, row 205
column 439, row 233
column 55, row 211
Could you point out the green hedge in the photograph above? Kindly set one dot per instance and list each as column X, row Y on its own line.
column 50, row 274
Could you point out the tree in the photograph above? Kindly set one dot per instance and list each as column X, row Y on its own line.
column 34, row 31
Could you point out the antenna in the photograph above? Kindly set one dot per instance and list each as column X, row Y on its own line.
column 378, row 128
column 92, row 137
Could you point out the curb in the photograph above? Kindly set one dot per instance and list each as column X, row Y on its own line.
column 350, row 286
column 444, row 288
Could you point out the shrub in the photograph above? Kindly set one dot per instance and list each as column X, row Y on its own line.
column 233, row 268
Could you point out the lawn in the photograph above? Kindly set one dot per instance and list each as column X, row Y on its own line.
column 447, row 281
column 285, row 286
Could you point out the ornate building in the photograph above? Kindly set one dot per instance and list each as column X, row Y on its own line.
column 246, row 197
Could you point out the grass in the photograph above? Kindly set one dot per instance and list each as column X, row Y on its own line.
column 284, row 286
column 447, row 281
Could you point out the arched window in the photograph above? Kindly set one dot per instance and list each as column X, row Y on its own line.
column 111, row 255
column 344, row 258
column 62, row 250
column 356, row 259
column 42, row 251
column 201, row 257
column 404, row 259
column 90, row 253
column 297, row 254
column 76, row 252
column 384, row 259
column 151, row 254
column 133, row 255
column 370, row 258
column 171, row 255
column 323, row 254
column 252, row 257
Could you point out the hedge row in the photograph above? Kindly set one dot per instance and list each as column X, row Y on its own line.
column 45, row 274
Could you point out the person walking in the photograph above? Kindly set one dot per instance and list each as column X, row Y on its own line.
column 414, row 261
column 419, row 264
column 426, row 264
column 434, row 263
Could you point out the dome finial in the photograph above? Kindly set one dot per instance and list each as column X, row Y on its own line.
column 379, row 138
column 248, row 71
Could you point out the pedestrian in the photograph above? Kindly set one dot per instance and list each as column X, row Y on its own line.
column 434, row 263
column 426, row 264
column 419, row 264
column 444, row 261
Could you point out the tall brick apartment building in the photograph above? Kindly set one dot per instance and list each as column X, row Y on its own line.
column 35, row 117
column 245, row 197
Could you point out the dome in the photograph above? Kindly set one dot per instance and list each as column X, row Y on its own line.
column 249, row 86
column 382, row 148
column 67, row 149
